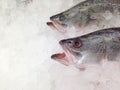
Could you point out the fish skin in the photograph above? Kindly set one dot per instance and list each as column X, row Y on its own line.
column 86, row 13
column 93, row 47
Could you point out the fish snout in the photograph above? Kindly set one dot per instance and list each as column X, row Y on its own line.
column 56, row 17
column 53, row 17
column 65, row 42
column 49, row 23
column 62, row 42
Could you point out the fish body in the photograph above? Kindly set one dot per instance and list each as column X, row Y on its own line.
column 86, row 13
column 90, row 48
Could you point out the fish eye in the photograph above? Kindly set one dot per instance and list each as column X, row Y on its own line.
column 62, row 18
column 77, row 44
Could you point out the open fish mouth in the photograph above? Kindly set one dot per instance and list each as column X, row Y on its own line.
column 52, row 25
column 62, row 58
column 56, row 26
column 68, row 57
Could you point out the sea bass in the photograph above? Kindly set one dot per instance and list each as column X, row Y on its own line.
column 86, row 13
column 90, row 48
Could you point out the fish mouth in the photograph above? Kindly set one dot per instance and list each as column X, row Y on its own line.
column 56, row 26
column 62, row 58
column 52, row 25
column 68, row 57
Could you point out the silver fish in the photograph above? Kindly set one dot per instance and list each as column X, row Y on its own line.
column 90, row 48
column 86, row 13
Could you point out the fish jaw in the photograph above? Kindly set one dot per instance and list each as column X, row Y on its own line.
column 62, row 58
column 68, row 57
column 52, row 25
column 55, row 26
column 65, row 57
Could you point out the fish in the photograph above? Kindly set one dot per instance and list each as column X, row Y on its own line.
column 86, row 13
column 90, row 48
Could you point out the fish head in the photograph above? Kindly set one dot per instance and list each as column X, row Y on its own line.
column 59, row 22
column 73, row 17
column 59, row 18
column 65, row 20
column 72, row 51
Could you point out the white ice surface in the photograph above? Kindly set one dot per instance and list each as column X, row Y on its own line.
column 26, row 44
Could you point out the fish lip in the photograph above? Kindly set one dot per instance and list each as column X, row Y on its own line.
column 58, row 56
column 49, row 23
column 61, row 57
column 56, row 26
